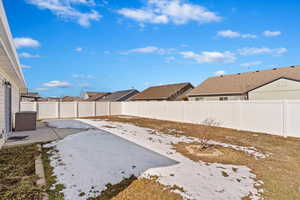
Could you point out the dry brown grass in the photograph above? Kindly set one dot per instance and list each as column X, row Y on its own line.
column 146, row 189
column 280, row 172
column 17, row 173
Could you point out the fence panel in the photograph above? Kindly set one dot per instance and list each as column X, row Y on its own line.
column 48, row 110
column 194, row 112
column 68, row 109
column 86, row 109
column 28, row 106
column 258, row 116
column 275, row 117
column 102, row 108
column 261, row 116
column 292, row 120
column 115, row 108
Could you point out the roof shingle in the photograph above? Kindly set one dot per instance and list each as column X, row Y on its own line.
column 242, row 83
column 122, row 95
column 98, row 96
column 162, row 92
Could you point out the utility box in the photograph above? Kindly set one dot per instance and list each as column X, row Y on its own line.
column 25, row 121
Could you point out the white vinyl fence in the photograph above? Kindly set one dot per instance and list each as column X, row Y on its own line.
column 56, row 110
column 274, row 117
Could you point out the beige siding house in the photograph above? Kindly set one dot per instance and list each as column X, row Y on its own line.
column 274, row 84
column 12, row 82
column 282, row 88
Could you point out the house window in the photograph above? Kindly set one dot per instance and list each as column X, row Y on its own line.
column 223, row 98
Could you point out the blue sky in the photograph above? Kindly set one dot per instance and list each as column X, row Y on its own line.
column 68, row 46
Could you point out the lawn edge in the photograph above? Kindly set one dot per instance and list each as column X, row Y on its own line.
column 39, row 171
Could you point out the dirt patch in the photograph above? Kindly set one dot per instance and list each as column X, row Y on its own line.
column 227, row 155
column 17, row 173
column 148, row 189
column 280, row 172
column 198, row 150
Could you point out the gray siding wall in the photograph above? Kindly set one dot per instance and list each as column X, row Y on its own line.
column 2, row 119
column 15, row 102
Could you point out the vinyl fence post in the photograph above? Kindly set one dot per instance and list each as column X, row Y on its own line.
column 95, row 107
column 240, row 115
column 284, row 118
column 36, row 109
column 109, row 108
column 76, row 108
column 58, row 109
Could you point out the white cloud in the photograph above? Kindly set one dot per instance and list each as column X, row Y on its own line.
column 41, row 89
column 170, row 11
column 78, row 49
column 28, row 55
column 83, row 76
column 149, row 49
column 271, row 33
column 169, row 59
column 233, row 34
column 22, row 42
column 249, row 64
column 220, row 72
column 210, row 56
column 26, row 66
column 66, row 10
column 57, row 84
column 263, row 50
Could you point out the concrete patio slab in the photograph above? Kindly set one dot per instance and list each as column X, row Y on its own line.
column 42, row 134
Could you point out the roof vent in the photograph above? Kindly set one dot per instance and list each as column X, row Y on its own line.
column 274, row 68
column 257, row 71
column 221, row 75
column 238, row 73
column 292, row 66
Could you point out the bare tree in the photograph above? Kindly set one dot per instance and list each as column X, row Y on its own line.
column 209, row 125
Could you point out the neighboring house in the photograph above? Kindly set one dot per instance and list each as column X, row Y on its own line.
column 12, row 82
column 50, row 99
column 70, row 99
column 274, row 84
column 30, row 97
column 98, row 96
column 60, row 99
column 124, row 95
column 170, row 92
column 87, row 95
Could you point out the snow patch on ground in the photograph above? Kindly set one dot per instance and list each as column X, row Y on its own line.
column 87, row 161
column 199, row 180
column 249, row 150
column 67, row 124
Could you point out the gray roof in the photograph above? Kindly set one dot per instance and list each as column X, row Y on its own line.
column 98, row 96
column 122, row 95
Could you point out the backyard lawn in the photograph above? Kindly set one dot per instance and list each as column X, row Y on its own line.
column 17, row 173
column 279, row 171
column 130, row 158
